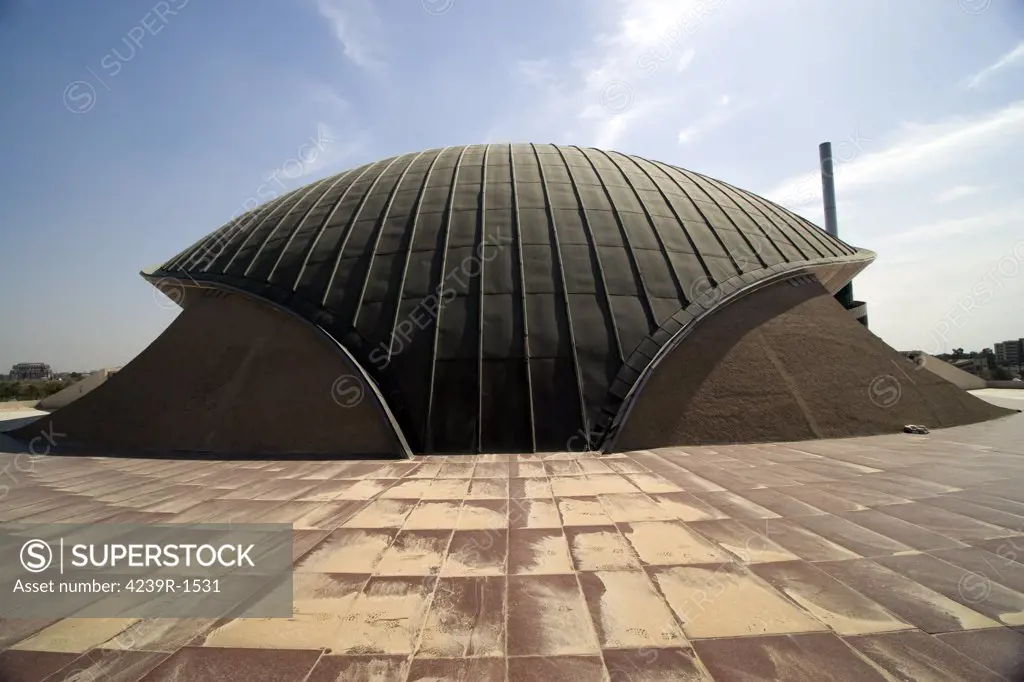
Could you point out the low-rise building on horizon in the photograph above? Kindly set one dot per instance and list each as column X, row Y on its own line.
column 30, row 371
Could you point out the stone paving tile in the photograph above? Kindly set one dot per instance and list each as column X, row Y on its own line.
column 538, row 552
column 852, row 492
column 582, row 511
column 33, row 666
column 534, row 513
column 548, row 616
column 483, row 515
column 627, row 612
column 74, row 635
column 798, row 540
column 852, row 536
column 827, row 501
column 458, row 670
column 844, row 610
column 736, row 506
column 234, row 665
column 434, row 514
column 386, row 617
column 964, row 587
column 728, row 601
column 160, row 634
column 466, row 618
column 777, row 501
column 686, row 507
column 381, row 514
column 654, row 665
column 322, row 602
column 347, row 551
column 898, row 556
column 109, row 665
column 741, row 542
column 1001, row 650
column 909, row 534
column 556, row 669
column 794, row 658
column 334, row 668
column 670, row 543
column 947, row 523
column 415, row 552
column 916, row 604
column 978, row 564
column 13, row 631
column 991, row 501
column 914, row 655
column 978, row 512
column 477, row 553
column 600, row 548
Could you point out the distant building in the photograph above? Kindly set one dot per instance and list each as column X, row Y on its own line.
column 31, row 371
column 978, row 366
column 1010, row 353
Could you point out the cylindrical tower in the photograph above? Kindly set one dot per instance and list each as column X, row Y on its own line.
column 858, row 309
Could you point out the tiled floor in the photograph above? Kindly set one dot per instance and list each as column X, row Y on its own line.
column 884, row 558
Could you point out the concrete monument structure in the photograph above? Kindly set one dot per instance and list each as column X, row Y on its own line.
column 496, row 298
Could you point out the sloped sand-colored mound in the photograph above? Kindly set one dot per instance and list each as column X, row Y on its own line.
column 230, row 375
column 788, row 363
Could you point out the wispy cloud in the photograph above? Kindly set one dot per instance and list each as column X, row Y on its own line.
column 918, row 148
column 957, row 193
column 338, row 140
column 1014, row 56
column 603, row 93
column 972, row 225
column 356, row 26
column 686, row 59
column 336, row 123
column 534, row 71
column 724, row 111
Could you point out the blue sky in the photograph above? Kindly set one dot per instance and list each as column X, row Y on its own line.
column 133, row 128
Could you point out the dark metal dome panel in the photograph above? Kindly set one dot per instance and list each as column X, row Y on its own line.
column 495, row 291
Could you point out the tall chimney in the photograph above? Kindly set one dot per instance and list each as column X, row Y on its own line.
column 828, row 194
column 828, row 187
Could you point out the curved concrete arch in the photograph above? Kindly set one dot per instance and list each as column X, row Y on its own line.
column 356, row 349
column 232, row 376
column 779, row 362
column 639, row 366
column 364, row 376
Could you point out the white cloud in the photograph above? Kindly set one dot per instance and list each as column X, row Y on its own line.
column 338, row 146
column 957, row 192
column 606, row 91
column 917, row 150
column 355, row 25
column 325, row 95
column 534, row 71
column 686, row 59
column 1009, row 59
column 936, row 231
column 337, row 141
column 724, row 111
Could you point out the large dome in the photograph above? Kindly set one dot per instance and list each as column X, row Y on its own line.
column 508, row 297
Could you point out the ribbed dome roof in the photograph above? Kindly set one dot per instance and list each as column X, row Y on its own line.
column 562, row 271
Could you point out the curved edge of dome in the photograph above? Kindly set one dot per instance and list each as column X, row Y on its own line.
column 161, row 281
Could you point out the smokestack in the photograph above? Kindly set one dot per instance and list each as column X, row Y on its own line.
column 828, row 187
column 858, row 309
